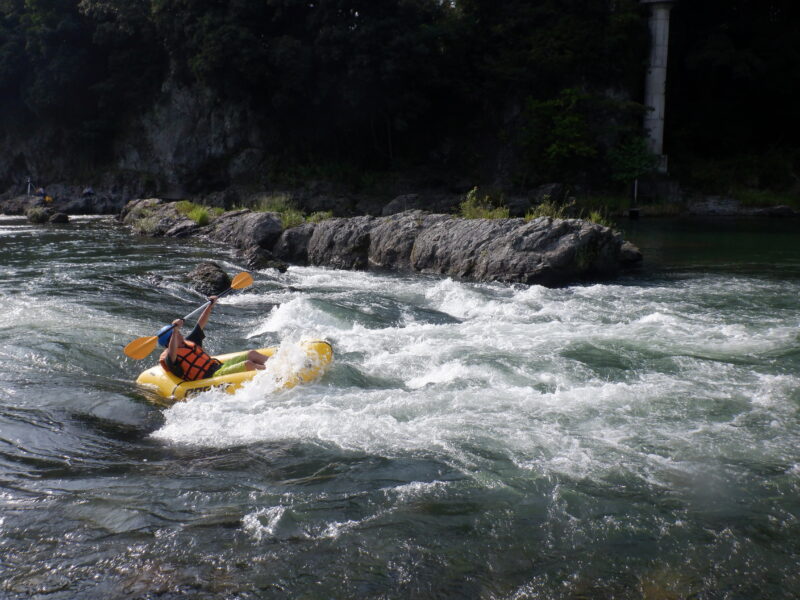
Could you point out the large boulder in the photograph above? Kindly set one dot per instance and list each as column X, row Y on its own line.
column 157, row 218
column 341, row 243
column 38, row 215
column 292, row 246
column 629, row 254
column 392, row 239
column 244, row 229
column 542, row 251
column 257, row 257
column 209, row 278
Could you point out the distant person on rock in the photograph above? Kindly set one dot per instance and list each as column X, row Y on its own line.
column 185, row 358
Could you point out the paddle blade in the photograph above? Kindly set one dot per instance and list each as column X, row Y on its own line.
column 242, row 280
column 141, row 347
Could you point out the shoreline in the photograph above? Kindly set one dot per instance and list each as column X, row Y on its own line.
column 318, row 197
column 553, row 251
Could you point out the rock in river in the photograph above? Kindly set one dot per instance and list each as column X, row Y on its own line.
column 209, row 278
column 542, row 251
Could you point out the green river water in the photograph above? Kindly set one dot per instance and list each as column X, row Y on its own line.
column 633, row 439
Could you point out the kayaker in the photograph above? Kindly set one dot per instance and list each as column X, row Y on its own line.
column 184, row 357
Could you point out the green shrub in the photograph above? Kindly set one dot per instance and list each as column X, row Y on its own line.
column 147, row 225
column 291, row 217
column 184, row 207
column 201, row 215
column 567, row 211
column 549, row 209
column 632, row 160
column 482, row 207
column 273, row 203
column 318, row 216
column 600, row 218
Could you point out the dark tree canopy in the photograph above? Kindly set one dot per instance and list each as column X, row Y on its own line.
column 554, row 84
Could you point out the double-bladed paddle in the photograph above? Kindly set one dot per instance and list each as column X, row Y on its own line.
column 141, row 347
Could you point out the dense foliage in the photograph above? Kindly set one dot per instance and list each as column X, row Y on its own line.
column 734, row 69
column 535, row 90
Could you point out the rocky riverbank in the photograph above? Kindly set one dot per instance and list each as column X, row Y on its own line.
column 63, row 199
column 541, row 251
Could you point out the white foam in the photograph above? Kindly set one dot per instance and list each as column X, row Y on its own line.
column 417, row 489
column 578, row 381
column 263, row 522
column 439, row 374
column 295, row 316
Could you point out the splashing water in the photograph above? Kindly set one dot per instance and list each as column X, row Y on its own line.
column 637, row 439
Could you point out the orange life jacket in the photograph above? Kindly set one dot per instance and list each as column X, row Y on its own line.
column 192, row 359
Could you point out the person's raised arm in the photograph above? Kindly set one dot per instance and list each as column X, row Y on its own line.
column 172, row 347
column 203, row 320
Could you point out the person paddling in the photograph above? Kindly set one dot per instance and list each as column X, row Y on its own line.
column 185, row 358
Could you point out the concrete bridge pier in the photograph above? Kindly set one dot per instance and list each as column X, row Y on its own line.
column 656, row 81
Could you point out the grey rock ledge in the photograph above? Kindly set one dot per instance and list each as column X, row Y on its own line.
column 543, row 251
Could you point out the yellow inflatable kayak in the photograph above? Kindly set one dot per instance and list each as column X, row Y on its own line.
column 319, row 355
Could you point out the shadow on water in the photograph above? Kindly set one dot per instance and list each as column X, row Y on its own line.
column 762, row 247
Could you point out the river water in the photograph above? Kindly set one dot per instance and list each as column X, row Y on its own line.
column 635, row 439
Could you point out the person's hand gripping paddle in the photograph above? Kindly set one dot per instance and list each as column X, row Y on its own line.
column 141, row 347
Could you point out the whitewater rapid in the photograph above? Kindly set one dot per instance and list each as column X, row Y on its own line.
column 586, row 381
column 634, row 439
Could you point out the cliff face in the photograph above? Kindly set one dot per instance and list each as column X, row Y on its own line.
column 187, row 141
column 191, row 142
column 39, row 154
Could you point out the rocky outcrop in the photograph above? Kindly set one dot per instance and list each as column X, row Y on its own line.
column 392, row 240
column 257, row 257
column 629, row 254
column 292, row 246
column 39, row 215
column 193, row 142
column 209, row 278
column 64, row 200
column 245, row 229
column 154, row 217
column 542, row 251
column 341, row 243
